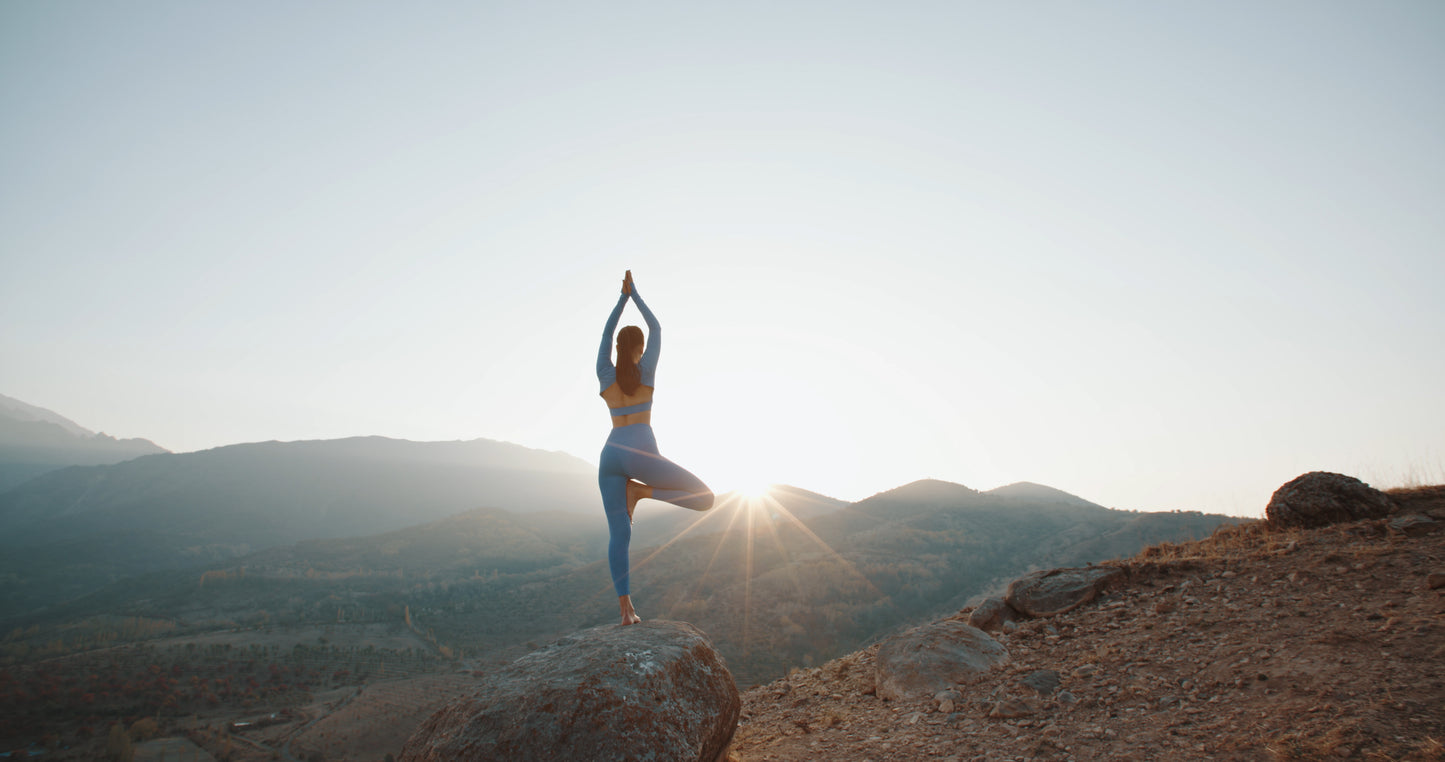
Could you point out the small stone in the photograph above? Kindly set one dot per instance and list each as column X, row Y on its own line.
column 1043, row 681
column 1435, row 581
column 1011, row 709
column 1066, row 697
column 1086, row 670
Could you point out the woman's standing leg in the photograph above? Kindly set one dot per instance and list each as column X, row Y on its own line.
column 613, row 484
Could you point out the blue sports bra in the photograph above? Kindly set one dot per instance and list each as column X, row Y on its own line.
column 607, row 372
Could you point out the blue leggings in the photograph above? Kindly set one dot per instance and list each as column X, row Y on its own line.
column 631, row 453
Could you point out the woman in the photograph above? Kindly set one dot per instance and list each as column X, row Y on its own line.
column 630, row 468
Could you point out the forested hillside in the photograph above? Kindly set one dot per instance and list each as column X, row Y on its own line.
column 773, row 588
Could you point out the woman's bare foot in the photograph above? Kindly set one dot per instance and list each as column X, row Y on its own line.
column 635, row 491
column 629, row 614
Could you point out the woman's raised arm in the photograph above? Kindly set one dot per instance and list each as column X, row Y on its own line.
column 653, row 350
column 606, row 371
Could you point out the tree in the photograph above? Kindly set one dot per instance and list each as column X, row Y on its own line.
column 145, row 729
column 118, row 746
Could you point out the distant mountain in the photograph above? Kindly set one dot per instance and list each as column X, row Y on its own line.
column 71, row 530
column 34, row 441
column 1040, row 493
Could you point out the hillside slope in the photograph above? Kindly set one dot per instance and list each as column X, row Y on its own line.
column 66, row 533
column 1250, row 645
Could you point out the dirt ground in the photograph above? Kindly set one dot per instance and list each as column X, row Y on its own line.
column 170, row 750
column 1250, row 645
column 362, row 723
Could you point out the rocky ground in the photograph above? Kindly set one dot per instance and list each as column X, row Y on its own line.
column 1251, row 645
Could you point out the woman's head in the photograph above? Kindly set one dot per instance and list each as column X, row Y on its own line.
column 629, row 351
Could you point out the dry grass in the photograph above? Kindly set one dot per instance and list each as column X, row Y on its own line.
column 1420, row 499
column 1429, row 750
column 1232, row 541
column 1418, row 475
column 1340, row 741
column 1228, row 542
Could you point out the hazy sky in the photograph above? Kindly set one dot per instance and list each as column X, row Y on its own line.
column 1160, row 255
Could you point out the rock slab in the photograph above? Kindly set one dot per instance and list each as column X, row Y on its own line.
column 991, row 615
column 1414, row 525
column 934, row 657
column 656, row 691
column 1053, row 592
column 1321, row 498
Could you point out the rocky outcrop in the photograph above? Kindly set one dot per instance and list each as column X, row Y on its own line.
column 1321, row 498
column 653, row 691
column 1048, row 593
column 934, row 657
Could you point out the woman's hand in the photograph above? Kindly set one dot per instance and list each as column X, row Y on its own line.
column 627, row 283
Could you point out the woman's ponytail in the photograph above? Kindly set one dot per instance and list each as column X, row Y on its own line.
column 629, row 376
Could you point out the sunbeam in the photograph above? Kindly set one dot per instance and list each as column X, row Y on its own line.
column 704, row 516
column 717, row 549
column 747, row 581
column 827, row 549
column 760, row 506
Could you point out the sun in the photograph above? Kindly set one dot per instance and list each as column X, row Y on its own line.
column 752, row 489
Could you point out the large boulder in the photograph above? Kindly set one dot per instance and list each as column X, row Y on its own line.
column 934, row 657
column 1048, row 593
column 652, row 691
column 1320, row 498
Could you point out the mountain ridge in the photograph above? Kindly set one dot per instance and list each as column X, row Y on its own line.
column 35, row 441
column 79, row 527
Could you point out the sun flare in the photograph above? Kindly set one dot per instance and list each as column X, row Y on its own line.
column 754, row 490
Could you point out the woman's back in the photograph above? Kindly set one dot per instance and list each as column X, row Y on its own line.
column 627, row 404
